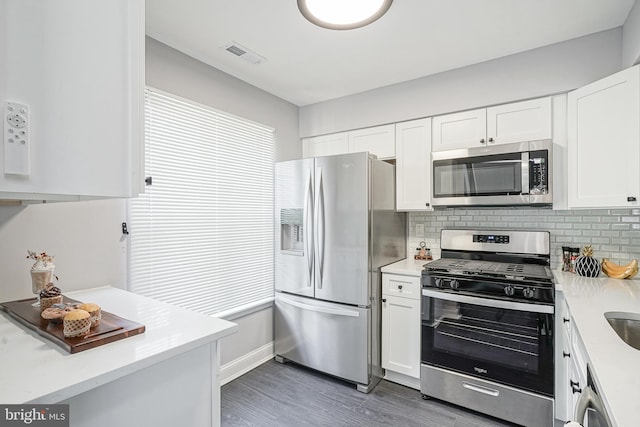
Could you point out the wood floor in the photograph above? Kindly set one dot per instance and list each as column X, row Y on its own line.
column 289, row 395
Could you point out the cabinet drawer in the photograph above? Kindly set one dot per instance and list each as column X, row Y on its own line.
column 403, row 286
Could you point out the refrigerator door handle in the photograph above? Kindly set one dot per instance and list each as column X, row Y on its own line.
column 320, row 228
column 327, row 310
column 308, row 232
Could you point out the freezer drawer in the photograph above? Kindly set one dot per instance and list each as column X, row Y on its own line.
column 331, row 338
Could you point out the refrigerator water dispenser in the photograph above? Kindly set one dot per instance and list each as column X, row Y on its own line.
column 291, row 231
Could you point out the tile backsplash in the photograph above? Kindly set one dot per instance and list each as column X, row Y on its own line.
column 613, row 233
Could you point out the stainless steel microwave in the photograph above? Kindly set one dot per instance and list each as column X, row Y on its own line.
column 499, row 175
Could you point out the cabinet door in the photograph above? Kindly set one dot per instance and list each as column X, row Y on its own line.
column 325, row 145
column 377, row 140
column 563, row 393
column 603, row 148
column 401, row 335
column 83, row 81
column 519, row 121
column 413, row 165
column 460, row 130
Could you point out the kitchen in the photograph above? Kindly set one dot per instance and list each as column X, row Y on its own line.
column 63, row 228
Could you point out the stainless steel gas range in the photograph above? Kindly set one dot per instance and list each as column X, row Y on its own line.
column 487, row 324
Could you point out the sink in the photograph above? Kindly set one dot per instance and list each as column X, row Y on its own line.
column 626, row 325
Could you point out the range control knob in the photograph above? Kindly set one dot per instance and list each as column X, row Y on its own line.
column 509, row 290
column 454, row 284
column 438, row 282
column 529, row 292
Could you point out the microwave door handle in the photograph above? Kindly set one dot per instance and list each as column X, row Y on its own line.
column 526, row 184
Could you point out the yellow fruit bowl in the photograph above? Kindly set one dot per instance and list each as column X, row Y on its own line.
column 616, row 271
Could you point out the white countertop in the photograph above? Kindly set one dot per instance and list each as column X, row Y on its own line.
column 36, row 370
column 615, row 365
column 406, row 267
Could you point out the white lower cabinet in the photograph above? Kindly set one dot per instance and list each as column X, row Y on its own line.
column 401, row 329
column 563, row 395
column 571, row 363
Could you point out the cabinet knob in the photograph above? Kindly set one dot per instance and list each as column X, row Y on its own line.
column 631, row 199
column 575, row 387
column 427, row 204
column 565, row 320
column 490, row 139
column 482, row 141
column 384, row 300
column 565, row 354
column 399, row 286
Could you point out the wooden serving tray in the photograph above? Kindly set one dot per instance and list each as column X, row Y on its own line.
column 111, row 328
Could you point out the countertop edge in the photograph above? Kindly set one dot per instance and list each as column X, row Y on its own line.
column 219, row 330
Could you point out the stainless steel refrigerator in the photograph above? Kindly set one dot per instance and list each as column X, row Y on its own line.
column 336, row 226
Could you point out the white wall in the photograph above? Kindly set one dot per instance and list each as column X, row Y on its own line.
column 85, row 238
column 631, row 37
column 174, row 72
column 543, row 71
column 177, row 73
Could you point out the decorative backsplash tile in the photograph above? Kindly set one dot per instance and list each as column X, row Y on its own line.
column 613, row 233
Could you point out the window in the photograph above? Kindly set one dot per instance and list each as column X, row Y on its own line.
column 202, row 234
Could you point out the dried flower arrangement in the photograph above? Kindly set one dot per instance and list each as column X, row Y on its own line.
column 41, row 259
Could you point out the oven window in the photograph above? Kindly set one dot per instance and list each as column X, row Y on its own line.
column 505, row 337
column 478, row 176
column 512, row 347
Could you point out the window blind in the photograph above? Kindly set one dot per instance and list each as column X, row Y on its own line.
column 201, row 236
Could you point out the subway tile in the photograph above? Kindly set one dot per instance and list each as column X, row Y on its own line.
column 620, row 212
column 611, row 219
column 564, row 226
column 611, row 233
column 629, row 219
column 620, row 226
column 582, row 226
column 617, row 241
column 591, row 219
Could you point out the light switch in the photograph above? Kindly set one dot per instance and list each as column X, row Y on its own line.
column 17, row 138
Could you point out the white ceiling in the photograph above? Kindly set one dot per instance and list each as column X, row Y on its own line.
column 306, row 64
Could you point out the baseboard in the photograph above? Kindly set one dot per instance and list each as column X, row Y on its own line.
column 402, row 379
column 232, row 370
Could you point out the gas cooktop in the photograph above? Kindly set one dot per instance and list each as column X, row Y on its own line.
column 490, row 268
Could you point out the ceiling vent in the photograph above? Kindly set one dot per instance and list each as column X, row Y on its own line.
column 244, row 53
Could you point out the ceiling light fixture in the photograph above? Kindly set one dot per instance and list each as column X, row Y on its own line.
column 343, row 14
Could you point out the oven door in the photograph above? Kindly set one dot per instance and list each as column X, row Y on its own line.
column 503, row 341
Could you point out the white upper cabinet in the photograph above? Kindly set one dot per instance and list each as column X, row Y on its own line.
column 603, row 142
column 519, row 121
column 325, row 145
column 379, row 140
column 413, row 165
column 78, row 66
column 460, row 130
column 502, row 124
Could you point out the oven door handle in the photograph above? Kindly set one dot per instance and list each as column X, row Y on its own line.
column 488, row 302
